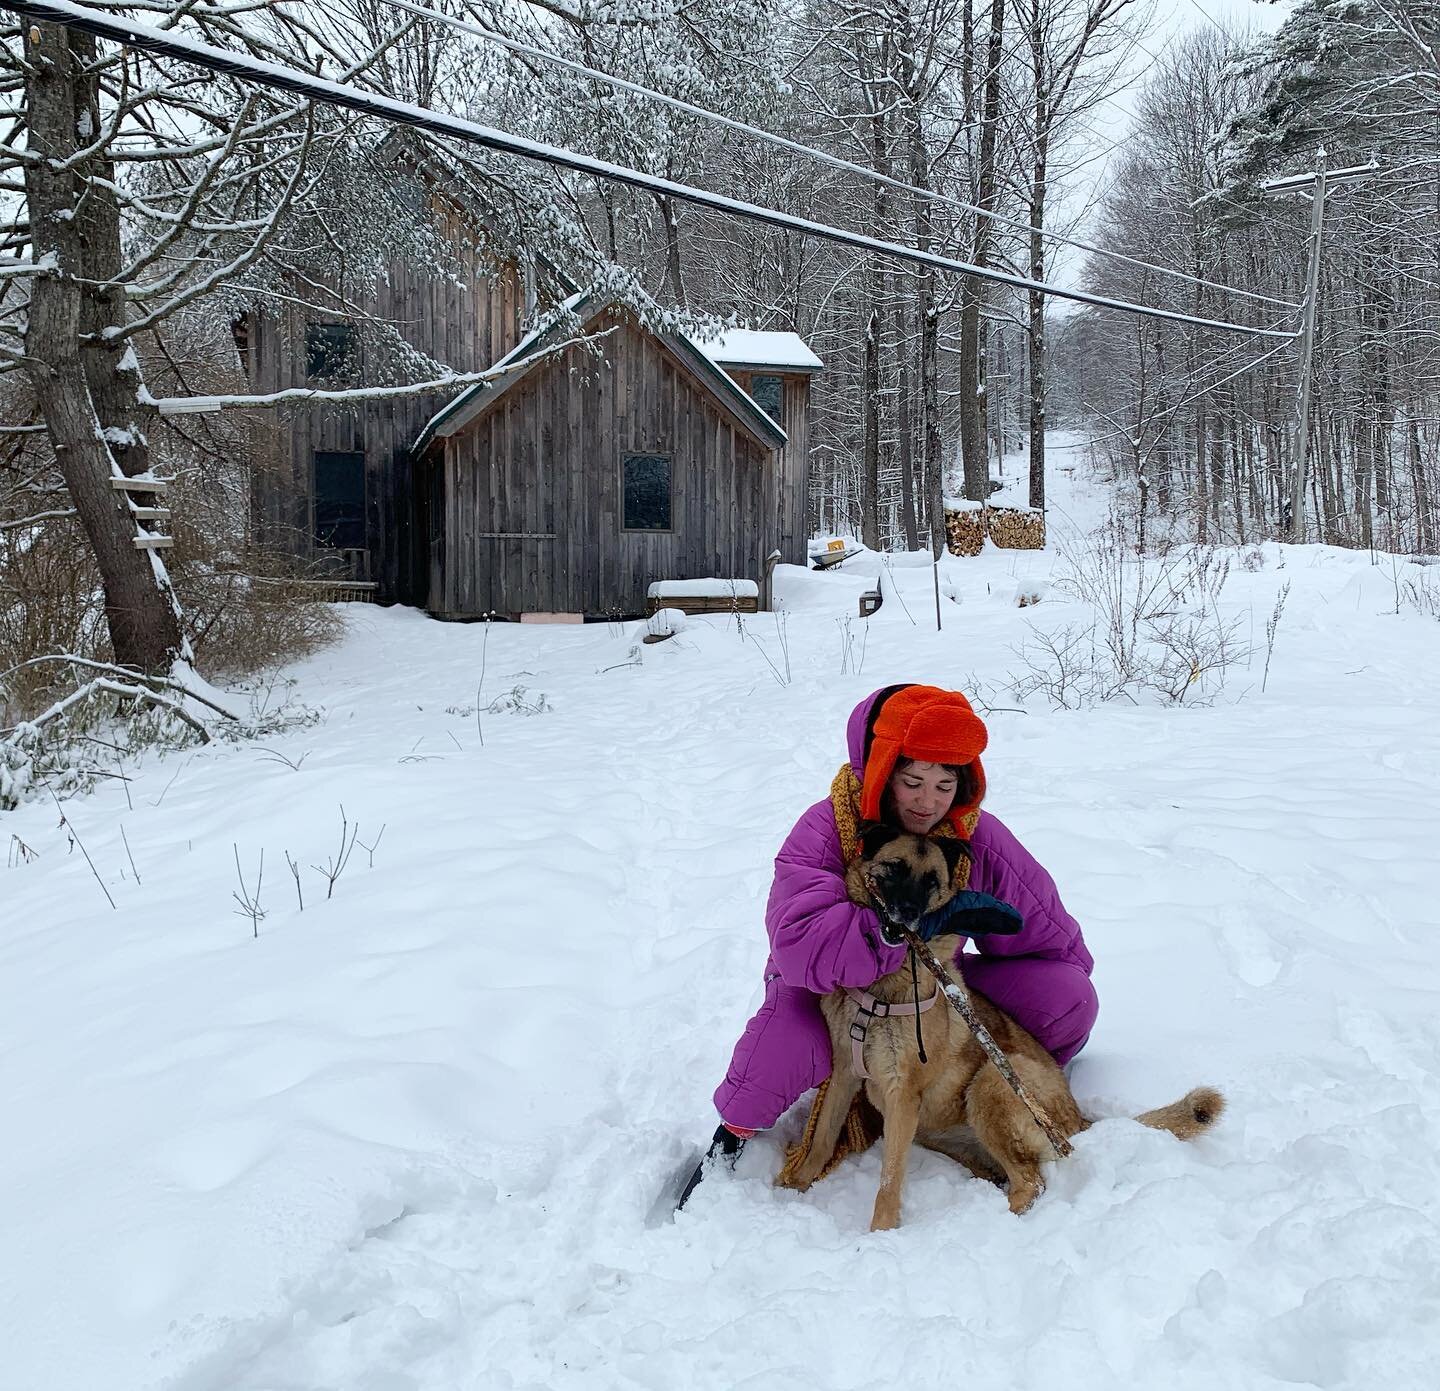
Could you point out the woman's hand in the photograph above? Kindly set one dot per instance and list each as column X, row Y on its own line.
column 970, row 914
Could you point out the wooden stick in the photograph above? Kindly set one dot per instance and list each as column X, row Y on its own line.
column 959, row 1000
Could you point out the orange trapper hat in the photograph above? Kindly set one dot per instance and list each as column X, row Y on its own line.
column 925, row 723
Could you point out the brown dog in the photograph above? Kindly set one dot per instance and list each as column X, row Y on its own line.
column 958, row 1085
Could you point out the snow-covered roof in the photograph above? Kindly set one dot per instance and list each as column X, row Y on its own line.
column 585, row 306
column 753, row 347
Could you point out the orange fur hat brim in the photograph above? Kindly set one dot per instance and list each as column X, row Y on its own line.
column 931, row 726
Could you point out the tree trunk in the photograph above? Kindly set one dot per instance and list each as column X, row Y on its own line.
column 973, row 428
column 1036, row 325
column 930, row 446
column 673, row 273
column 1425, row 522
column 905, row 378
column 870, row 448
column 86, row 385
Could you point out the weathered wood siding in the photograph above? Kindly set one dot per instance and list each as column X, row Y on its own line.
column 466, row 316
column 546, row 460
column 792, row 496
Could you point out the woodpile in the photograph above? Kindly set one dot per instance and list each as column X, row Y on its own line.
column 1014, row 529
column 965, row 531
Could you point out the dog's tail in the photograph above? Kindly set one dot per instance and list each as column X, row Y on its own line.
column 1195, row 1112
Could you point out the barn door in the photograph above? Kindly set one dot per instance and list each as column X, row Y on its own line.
column 515, row 546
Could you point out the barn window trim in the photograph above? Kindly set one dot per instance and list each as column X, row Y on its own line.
column 774, row 384
column 356, row 459
column 637, row 454
column 332, row 351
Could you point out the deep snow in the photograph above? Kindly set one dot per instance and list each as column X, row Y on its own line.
column 407, row 1138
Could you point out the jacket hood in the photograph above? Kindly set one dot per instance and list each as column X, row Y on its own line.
column 941, row 728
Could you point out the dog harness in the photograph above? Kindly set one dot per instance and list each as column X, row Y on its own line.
column 868, row 1008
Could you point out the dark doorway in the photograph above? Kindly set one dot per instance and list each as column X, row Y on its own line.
column 340, row 499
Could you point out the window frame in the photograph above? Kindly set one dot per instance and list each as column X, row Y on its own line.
column 779, row 381
column 348, row 367
column 315, row 538
column 669, row 457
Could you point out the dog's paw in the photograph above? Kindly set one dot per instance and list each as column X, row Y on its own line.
column 1023, row 1195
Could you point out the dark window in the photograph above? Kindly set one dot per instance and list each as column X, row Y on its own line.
column 769, row 394
column 331, row 350
column 340, row 500
column 647, row 492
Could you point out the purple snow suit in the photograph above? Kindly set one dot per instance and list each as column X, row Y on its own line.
column 820, row 941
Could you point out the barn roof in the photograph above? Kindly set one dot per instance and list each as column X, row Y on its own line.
column 751, row 348
column 588, row 306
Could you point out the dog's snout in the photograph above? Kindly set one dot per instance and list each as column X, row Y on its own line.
column 906, row 896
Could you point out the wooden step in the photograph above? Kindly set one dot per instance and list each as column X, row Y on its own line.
column 154, row 543
column 139, row 485
column 149, row 514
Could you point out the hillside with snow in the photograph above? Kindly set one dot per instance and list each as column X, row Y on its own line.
column 404, row 1135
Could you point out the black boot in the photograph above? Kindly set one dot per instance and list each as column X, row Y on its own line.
column 726, row 1146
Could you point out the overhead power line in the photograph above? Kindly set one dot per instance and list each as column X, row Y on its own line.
column 809, row 151
column 276, row 75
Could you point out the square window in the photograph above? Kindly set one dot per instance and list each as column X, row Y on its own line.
column 646, row 491
column 340, row 499
column 769, row 394
column 331, row 350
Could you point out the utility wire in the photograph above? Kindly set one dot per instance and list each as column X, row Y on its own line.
column 836, row 161
column 277, row 75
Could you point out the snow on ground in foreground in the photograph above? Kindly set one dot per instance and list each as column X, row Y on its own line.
column 407, row 1138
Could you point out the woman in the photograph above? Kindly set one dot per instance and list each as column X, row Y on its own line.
column 914, row 764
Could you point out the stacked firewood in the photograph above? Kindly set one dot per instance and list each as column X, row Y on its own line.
column 1016, row 529
column 965, row 531
column 1010, row 528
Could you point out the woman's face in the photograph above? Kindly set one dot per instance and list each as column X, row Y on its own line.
column 923, row 793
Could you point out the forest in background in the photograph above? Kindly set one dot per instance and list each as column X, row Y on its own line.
column 152, row 203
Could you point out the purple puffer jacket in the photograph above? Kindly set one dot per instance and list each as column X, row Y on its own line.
column 821, row 941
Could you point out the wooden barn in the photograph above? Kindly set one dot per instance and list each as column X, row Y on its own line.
column 563, row 485
column 579, row 475
column 333, row 484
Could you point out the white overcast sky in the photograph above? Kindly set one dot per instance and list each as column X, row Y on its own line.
column 1168, row 21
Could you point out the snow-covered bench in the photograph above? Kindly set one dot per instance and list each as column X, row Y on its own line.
column 704, row 596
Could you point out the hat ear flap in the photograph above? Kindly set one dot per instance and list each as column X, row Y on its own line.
column 878, row 767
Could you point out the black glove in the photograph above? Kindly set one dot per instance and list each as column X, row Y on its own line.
column 970, row 914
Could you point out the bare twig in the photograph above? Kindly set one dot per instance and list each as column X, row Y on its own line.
column 295, row 874
column 371, row 849
column 128, row 854
column 75, row 836
column 250, row 902
column 1272, row 627
column 480, row 684
column 275, row 756
column 171, row 783
column 335, row 866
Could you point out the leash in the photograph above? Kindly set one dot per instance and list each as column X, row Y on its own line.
column 959, row 1000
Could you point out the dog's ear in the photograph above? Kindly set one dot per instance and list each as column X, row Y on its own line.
column 874, row 836
column 953, row 851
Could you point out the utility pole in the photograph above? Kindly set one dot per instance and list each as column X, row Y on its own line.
column 1313, row 186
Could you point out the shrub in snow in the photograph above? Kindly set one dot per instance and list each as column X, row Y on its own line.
column 1157, row 630
column 521, row 702
column 274, row 709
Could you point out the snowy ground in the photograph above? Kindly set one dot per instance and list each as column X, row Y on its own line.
column 406, row 1139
